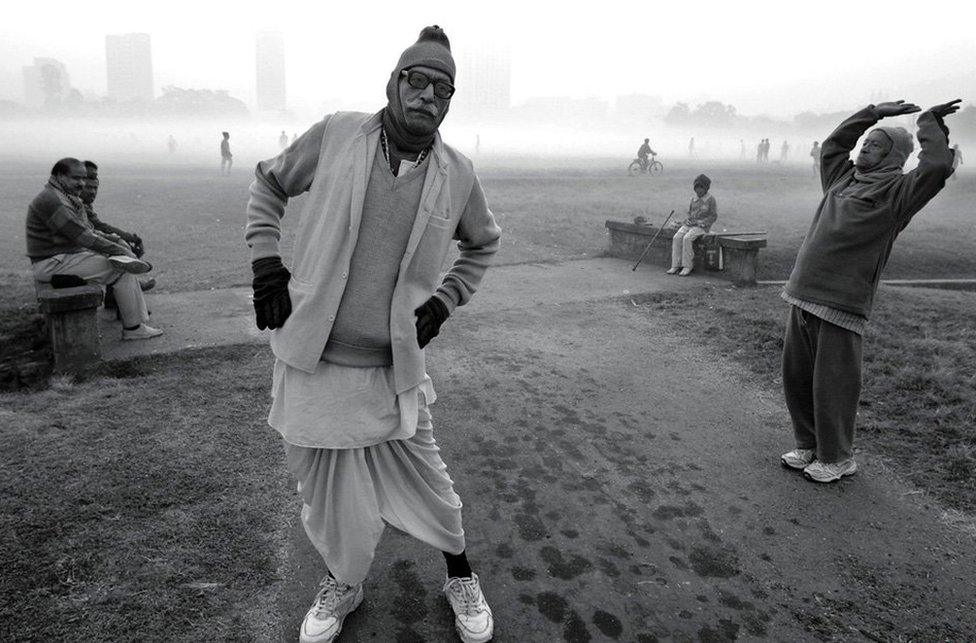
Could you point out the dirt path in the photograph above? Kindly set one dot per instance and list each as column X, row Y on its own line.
column 620, row 484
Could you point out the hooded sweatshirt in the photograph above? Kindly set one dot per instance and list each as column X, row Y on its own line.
column 851, row 236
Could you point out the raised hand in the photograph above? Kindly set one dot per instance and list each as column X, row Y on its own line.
column 895, row 108
column 945, row 108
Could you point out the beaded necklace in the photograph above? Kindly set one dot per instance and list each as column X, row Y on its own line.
column 386, row 152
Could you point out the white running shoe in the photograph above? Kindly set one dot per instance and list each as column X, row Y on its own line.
column 472, row 616
column 684, row 272
column 830, row 471
column 672, row 271
column 334, row 602
column 144, row 331
column 798, row 458
column 130, row 264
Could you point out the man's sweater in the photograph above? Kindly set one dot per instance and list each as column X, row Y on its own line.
column 848, row 244
column 54, row 227
column 361, row 333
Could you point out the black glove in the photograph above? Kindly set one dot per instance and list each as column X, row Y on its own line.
column 272, row 305
column 135, row 242
column 430, row 315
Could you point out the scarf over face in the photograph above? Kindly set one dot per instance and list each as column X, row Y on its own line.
column 426, row 52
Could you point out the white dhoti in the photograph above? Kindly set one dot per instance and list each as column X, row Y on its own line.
column 350, row 492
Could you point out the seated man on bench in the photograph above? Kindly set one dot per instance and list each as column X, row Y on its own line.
column 60, row 241
column 88, row 195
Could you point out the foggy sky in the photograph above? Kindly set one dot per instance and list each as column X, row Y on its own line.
column 776, row 58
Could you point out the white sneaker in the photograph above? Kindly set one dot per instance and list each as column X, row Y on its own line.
column 472, row 616
column 798, row 458
column 684, row 272
column 334, row 602
column 672, row 271
column 130, row 264
column 144, row 331
column 830, row 471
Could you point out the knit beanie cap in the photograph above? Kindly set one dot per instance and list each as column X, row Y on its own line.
column 432, row 49
column 703, row 181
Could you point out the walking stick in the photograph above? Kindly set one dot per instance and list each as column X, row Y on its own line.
column 653, row 239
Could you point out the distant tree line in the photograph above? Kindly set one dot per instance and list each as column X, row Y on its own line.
column 173, row 102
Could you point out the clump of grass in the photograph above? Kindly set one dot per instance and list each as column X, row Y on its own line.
column 153, row 499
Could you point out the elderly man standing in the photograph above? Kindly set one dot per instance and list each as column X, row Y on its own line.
column 61, row 241
column 351, row 396
column 866, row 204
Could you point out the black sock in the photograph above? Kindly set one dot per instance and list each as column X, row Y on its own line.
column 132, row 327
column 457, row 566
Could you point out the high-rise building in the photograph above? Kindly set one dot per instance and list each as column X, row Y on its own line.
column 128, row 59
column 484, row 81
column 46, row 83
column 270, row 71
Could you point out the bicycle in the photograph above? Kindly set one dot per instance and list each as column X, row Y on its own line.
column 653, row 167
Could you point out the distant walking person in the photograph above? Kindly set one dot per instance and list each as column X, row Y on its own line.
column 831, row 290
column 956, row 159
column 171, row 144
column 759, row 151
column 226, row 158
column 702, row 213
column 742, row 148
column 351, row 396
column 283, row 140
column 691, row 147
column 784, row 151
column 815, row 155
column 62, row 243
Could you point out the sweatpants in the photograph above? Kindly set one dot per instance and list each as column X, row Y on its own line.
column 822, row 384
column 348, row 494
column 95, row 267
column 682, row 246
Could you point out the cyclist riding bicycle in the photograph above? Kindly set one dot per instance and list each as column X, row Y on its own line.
column 642, row 153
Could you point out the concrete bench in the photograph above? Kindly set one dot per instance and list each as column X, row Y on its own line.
column 72, row 321
column 728, row 255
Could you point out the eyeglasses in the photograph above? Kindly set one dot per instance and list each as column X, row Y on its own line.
column 420, row 80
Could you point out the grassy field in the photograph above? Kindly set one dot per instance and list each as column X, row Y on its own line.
column 148, row 500
column 192, row 218
column 111, row 513
column 918, row 403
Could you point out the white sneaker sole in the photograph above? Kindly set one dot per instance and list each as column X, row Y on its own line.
column 835, row 478
column 797, row 465
column 467, row 637
column 304, row 639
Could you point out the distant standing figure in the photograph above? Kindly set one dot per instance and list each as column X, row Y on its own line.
column 477, row 143
column 784, row 151
column 742, row 148
column 766, row 146
column 691, row 147
column 171, row 144
column 226, row 158
column 702, row 213
column 956, row 159
column 294, row 136
column 815, row 155
column 283, row 140
column 831, row 289
column 759, row 151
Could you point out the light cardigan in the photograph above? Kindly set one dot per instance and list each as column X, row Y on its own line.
column 332, row 161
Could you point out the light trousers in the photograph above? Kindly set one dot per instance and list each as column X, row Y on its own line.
column 349, row 494
column 94, row 267
column 682, row 252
